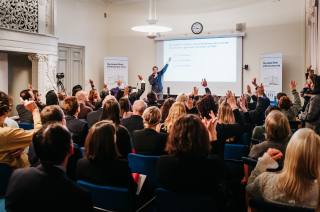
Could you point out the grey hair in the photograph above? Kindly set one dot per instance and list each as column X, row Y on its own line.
column 247, row 97
column 139, row 108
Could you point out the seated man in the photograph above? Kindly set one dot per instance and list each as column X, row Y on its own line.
column 77, row 127
column 46, row 187
column 11, row 138
column 24, row 114
column 84, row 110
column 54, row 114
column 152, row 99
column 135, row 121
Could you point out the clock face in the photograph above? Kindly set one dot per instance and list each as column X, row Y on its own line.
column 197, row 28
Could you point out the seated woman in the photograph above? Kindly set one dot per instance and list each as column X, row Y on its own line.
column 297, row 183
column 277, row 133
column 111, row 112
column 14, row 140
column 189, row 168
column 289, row 109
column 37, row 100
column 150, row 141
column 166, row 107
column 178, row 109
column 124, row 108
column 311, row 116
column 93, row 97
column 101, row 165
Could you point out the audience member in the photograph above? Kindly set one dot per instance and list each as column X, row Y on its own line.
column 52, row 98
column 311, row 116
column 152, row 99
column 277, row 134
column 279, row 95
column 136, row 95
column 150, row 141
column 135, row 121
column 93, row 96
column 182, row 98
column 84, row 110
column 177, row 110
column 37, row 100
column 259, row 131
column 216, row 99
column 75, row 91
column 124, row 108
column 190, row 107
column 13, row 140
column 297, row 183
column 101, row 165
column 10, row 123
column 103, row 94
column 24, row 114
column 257, row 114
column 49, row 115
column 189, row 168
column 78, row 128
column 111, row 112
column 46, row 187
column 222, row 99
column 306, row 92
column 166, row 107
column 289, row 109
column 62, row 96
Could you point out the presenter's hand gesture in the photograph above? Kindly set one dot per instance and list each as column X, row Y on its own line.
column 204, row 82
column 243, row 104
column 293, row 85
column 30, row 87
column 249, row 89
column 105, row 86
column 140, row 77
column 169, row 60
column 260, row 90
column 119, row 83
column 254, row 82
column 195, row 91
column 126, row 91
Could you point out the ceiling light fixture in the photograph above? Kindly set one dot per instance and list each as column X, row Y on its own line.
column 152, row 28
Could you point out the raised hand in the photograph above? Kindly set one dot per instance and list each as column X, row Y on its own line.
column 274, row 153
column 105, row 86
column 119, row 83
column 309, row 68
column 232, row 100
column 91, row 81
column 140, row 77
column 126, row 91
column 30, row 105
column 260, row 90
column 211, row 126
column 243, row 103
column 204, row 82
column 249, row 89
column 169, row 60
column 293, row 85
column 189, row 103
column 195, row 91
column 30, row 87
column 254, row 82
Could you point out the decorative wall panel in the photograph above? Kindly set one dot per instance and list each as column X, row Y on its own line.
column 19, row 15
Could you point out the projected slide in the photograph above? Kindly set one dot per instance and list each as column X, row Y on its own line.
column 192, row 60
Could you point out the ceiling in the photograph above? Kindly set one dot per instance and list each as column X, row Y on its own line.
column 119, row 2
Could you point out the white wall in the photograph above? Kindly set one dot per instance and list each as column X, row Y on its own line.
column 83, row 23
column 270, row 27
column 4, row 72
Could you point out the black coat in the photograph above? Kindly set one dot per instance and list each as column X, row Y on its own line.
column 109, row 172
column 94, row 117
column 134, row 122
column 24, row 114
column 149, row 142
column 78, row 128
column 150, row 104
column 136, row 95
column 123, row 142
column 45, row 188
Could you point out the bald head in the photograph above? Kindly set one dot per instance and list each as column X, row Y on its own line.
column 108, row 98
column 138, row 107
column 81, row 96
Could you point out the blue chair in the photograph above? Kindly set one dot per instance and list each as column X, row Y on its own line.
column 2, row 205
column 147, row 165
column 109, row 198
column 294, row 125
column 172, row 202
column 82, row 151
column 132, row 147
column 25, row 126
column 5, row 174
column 233, row 154
column 262, row 206
column 75, row 145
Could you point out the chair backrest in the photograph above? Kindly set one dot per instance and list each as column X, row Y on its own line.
column 109, row 198
column 172, row 202
column 82, row 151
column 25, row 126
column 233, row 154
column 263, row 206
column 147, row 165
column 5, row 174
column 294, row 125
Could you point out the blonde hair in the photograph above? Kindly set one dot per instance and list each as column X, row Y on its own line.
column 176, row 110
column 301, row 165
column 151, row 117
column 226, row 116
column 277, row 126
column 182, row 98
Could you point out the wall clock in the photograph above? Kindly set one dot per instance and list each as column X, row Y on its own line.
column 196, row 28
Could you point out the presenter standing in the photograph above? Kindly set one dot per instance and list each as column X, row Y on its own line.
column 155, row 79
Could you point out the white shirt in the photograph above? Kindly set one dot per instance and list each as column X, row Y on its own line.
column 11, row 123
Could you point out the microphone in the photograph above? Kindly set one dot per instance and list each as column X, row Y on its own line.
column 168, row 91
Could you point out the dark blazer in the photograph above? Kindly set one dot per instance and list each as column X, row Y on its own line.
column 312, row 114
column 134, row 122
column 78, row 128
column 193, row 176
column 149, row 142
column 71, row 165
column 94, row 117
column 98, row 105
column 109, row 172
column 150, row 104
column 24, row 114
column 84, row 110
column 45, row 188
column 136, row 95
column 123, row 142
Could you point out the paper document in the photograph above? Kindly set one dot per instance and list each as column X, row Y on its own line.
column 140, row 183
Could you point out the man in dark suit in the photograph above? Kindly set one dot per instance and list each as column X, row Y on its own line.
column 77, row 127
column 135, row 121
column 46, row 187
column 95, row 116
column 84, row 110
column 54, row 114
column 152, row 99
column 24, row 114
column 136, row 95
